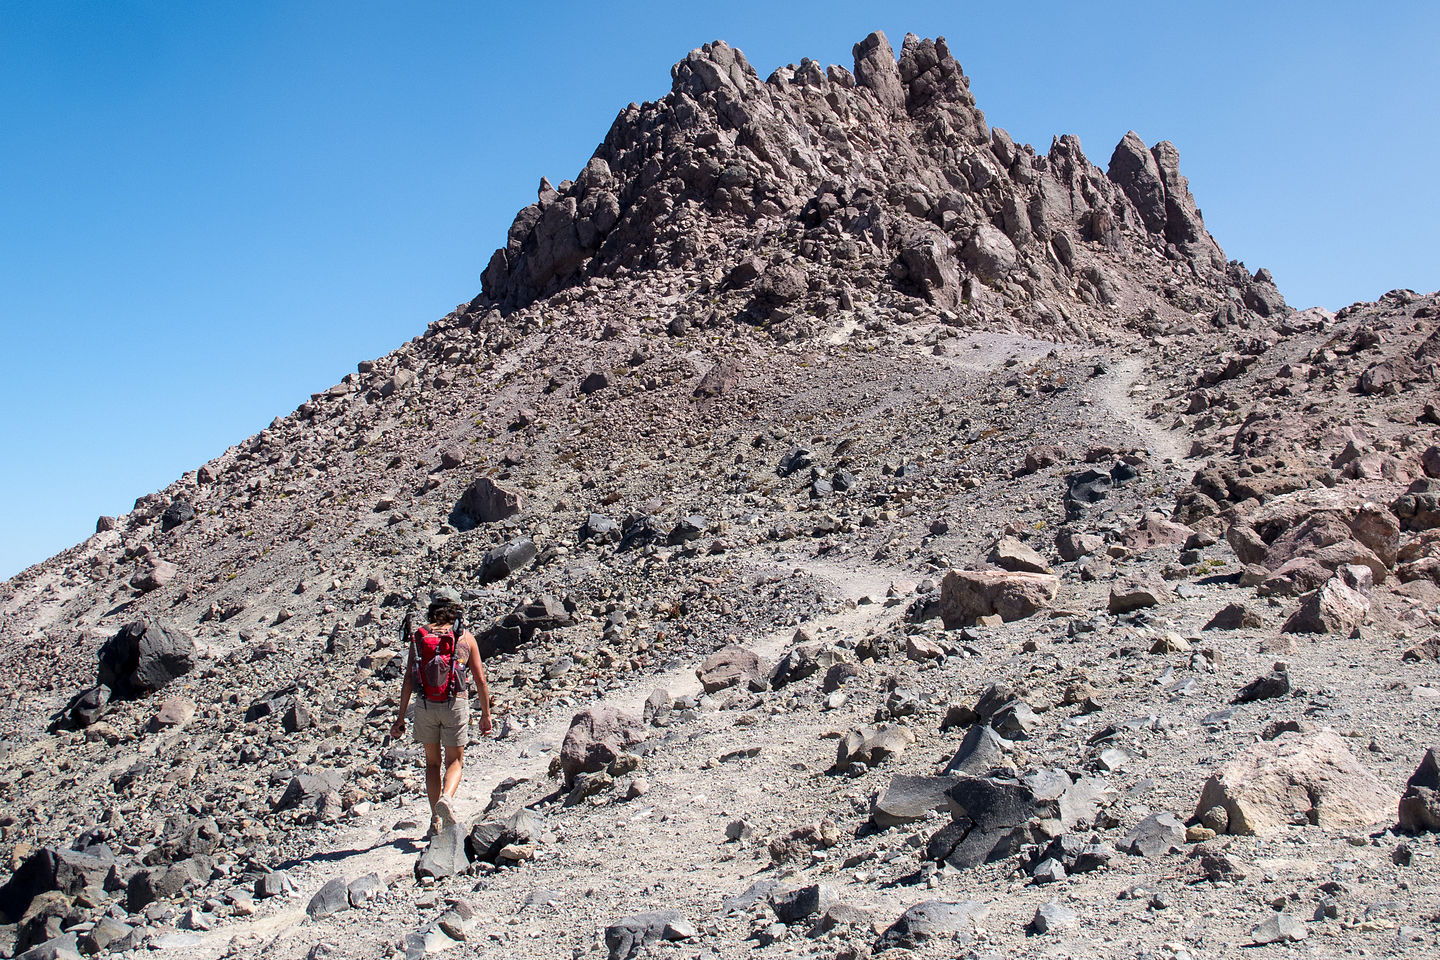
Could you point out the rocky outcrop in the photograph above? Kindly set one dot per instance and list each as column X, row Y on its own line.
column 890, row 161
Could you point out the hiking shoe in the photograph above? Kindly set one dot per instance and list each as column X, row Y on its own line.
column 443, row 812
column 434, row 828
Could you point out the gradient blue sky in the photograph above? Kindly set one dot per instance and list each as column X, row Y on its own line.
column 211, row 210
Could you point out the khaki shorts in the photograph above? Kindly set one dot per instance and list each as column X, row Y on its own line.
column 447, row 724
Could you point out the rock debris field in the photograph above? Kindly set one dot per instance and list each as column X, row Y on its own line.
column 884, row 540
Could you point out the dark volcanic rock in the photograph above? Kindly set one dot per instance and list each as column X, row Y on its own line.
column 625, row 938
column 144, row 656
column 1420, row 804
column 507, row 559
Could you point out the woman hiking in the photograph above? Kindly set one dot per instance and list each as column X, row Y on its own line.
column 437, row 664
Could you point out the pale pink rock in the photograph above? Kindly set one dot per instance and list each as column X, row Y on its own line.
column 967, row 595
column 1296, row 779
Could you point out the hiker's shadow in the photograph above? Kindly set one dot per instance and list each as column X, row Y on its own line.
column 405, row 845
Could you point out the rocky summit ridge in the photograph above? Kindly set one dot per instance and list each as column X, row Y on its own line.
column 884, row 539
column 889, row 171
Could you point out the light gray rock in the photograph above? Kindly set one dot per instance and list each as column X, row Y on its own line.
column 329, row 899
column 871, row 745
column 1053, row 917
column 1156, row 835
column 363, row 889
column 907, row 799
column 445, row 855
column 1280, row 928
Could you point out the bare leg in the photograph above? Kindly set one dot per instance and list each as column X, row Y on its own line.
column 454, row 762
column 432, row 775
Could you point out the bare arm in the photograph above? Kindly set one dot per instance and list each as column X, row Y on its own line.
column 406, row 690
column 477, row 670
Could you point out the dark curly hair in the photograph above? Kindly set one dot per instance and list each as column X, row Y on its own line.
column 443, row 611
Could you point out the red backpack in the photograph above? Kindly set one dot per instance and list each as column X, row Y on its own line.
column 437, row 664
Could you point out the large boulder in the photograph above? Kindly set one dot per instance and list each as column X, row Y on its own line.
column 1291, row 780
column 966, row 595
column 992, row 819
column 871, row 745
column 1420, row 805
column 730, row 666
column 485, row 501
column 52, row 870
column 1340, row 606
column 144, row 656
column 596, row 736
column 989, row 253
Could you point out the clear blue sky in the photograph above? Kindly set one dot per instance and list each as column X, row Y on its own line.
column 211, row 210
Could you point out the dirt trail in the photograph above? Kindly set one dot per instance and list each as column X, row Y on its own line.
column 378, row 843
column 1125, row 393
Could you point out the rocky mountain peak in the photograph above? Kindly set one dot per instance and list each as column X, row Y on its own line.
column 889, row 171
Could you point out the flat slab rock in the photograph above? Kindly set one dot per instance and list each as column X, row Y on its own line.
column 932, row 920
column 1297, row 779
column 910, row 798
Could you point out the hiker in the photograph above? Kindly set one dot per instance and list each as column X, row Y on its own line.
column 436, row 667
